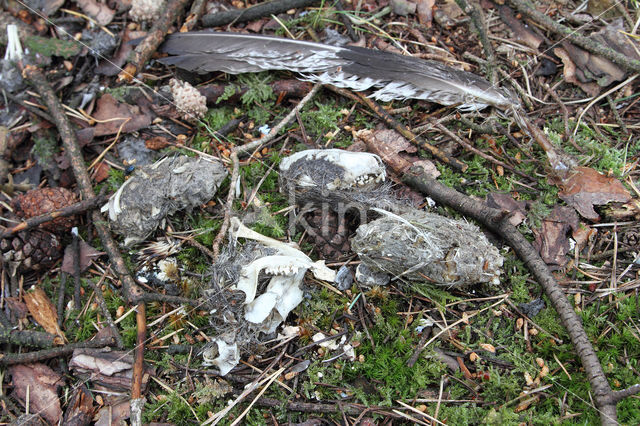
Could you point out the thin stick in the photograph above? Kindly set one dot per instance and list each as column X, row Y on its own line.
column 27, row 357
column 138, row 366
column 253, row 13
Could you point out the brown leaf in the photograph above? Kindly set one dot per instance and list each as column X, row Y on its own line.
column 521, row 32
column 389, row 145
column 425, row 11
column 569, row 72
column 114, row 414
column 451, row 10
column 593, row 68
column 551, row 239
column 17, row 309
column 41, row 383
column 47, row 7
column 502, row 201
column 110, row 369
column 113, row 114
column 583, row 235
column 113, row 65
column 43, row 311
column 87, row 254
column 101, row 172
column 526, row 403
column 402, row 7
column 98, row 11
column 157, row 142
column 599, row 69
column 584, row 187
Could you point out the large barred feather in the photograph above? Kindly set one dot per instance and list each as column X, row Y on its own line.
column 357, row 68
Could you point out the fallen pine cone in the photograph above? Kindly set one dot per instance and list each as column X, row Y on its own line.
column 33, row 250
column 44, row 200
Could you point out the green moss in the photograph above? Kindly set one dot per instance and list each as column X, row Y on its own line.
column 44, row 149
column 322, row 119
column 48, row 46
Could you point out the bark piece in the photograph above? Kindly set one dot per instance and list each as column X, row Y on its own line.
column 41, row 382
column 111, row 369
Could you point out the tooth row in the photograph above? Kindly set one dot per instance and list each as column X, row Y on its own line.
column 282, row 270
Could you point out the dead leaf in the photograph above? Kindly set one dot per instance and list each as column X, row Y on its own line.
column 465, row 371
column 451, row 10
column 98, row 11
column 17, row 309
column 428, row 167
column 157, row 142
column 551, row 239
column 113, row 65
column 47, row 7
column 114, row 414
column 526, row 403
column 43, row 311
column 583, row 235
column 424, row 10
column 110, row 369
column 590, row 68
column 87, row 254
column 41, row 383
column 488, row 347
column 101, row 172
column 604, row 9
column 569, row 73
column 402, row 7
column 502, row 201
column 113, row 114
column 389, row 145
column 584, row 187
column 521, row 32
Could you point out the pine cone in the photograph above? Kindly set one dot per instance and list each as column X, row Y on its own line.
column 34, row 250
column 146, row 10
column 188, row 100
column 44, row 200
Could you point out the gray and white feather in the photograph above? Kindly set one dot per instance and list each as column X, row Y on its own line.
column 393, row 76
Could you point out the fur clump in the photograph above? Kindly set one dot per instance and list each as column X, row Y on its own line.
column 427, row 247
column 161, row 189
column 226, row 304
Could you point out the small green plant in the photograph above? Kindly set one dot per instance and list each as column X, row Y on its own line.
column 258, row 88
column 44, row 149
